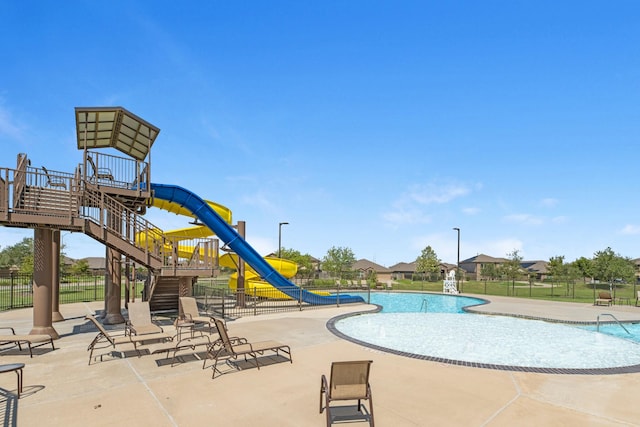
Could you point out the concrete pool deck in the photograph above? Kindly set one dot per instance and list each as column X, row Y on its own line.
column 61, row 389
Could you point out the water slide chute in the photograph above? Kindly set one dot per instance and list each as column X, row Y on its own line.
column 181, row 198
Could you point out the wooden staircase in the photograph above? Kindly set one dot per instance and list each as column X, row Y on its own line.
column 164, row 293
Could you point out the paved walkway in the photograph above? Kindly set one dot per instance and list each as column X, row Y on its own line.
column 61, row 389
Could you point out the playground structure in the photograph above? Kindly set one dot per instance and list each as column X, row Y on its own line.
column 106, row 198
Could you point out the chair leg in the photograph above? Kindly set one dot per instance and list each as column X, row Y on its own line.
column 371, row 422
column 19, row 373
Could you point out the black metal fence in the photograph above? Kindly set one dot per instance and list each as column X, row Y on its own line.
column 16, row 289
column 231, row 303
column 215, row 296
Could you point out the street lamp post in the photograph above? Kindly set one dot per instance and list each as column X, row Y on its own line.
column 458, row 262
column 280, row 237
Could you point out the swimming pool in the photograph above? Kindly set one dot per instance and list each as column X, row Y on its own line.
column 435, row 327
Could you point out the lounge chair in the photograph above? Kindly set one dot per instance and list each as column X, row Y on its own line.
column 348, row 381
column 140, row 322
column 116, row 340
column 180, row 345
column 99, row 173
column 189, row 307
column 604, row 298
column 228, row 347
column 31, row 341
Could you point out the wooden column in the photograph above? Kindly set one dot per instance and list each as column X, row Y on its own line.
column 56, row 316
column 112, row 288
column 42, row 287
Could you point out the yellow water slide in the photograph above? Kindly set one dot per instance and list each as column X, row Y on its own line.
column 253, row 284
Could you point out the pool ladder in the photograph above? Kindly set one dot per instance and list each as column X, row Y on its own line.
column 614, row 318
column 424, row 305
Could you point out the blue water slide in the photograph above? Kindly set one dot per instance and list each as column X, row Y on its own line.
column 225, row 232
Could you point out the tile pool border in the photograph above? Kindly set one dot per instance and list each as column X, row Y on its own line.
column 564, row 371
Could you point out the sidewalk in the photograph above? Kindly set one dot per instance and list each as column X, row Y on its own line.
column 61, row 389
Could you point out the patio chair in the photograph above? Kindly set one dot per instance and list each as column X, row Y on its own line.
column 54, row 181
column 140, row 322
column 189, row 308
column 604, row 298
column 31, row 341
column 348, row 381
column 234, row 347
column 99, row 173
column 114, row 340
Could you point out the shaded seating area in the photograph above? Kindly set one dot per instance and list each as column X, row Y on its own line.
column 231, row 348
column 107, row 339
column 140, row 322
column 348, row 380
column 30, row 341
column 99, row 173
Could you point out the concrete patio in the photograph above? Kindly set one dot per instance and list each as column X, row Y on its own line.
column 61, row 389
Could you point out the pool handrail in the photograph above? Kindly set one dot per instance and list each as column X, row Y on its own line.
column 614, row 318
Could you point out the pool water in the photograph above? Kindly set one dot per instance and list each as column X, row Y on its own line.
column 446, row 332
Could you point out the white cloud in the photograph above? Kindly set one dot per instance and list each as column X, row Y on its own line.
column 549, row 202
column 434, row 193
column 402, row 217
column 526, row 219
column 630, row 229
column 471, row 211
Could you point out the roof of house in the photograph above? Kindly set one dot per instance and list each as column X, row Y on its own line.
column 406, row 267
column 535, row 266
column 95, row 263
column 365, row 264
column 482, row 258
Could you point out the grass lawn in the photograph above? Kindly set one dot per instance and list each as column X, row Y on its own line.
column 580, row 292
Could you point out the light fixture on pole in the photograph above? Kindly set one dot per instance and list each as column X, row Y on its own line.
column 458, row 262
column 280, row 237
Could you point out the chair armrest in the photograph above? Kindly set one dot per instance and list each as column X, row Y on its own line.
column 13, row 331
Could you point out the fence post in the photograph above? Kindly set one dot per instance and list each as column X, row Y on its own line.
column 255, row 298
column 300, row 297
column 11, row 298
column 338, row 295
column 95, row 288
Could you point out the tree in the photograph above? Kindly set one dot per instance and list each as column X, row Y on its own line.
column 584, row 267
column 338, row 261
column 512, row 268
column 609, row 267
column 490, row 271
column 557, row 269
column 81, row 267
column 428, row 262
column 16, row 254
column 305, row 266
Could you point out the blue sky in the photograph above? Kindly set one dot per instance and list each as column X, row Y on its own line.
column 373, row 125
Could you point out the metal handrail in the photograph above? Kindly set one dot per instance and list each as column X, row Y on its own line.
column 614, row 318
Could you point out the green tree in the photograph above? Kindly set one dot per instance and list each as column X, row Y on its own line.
column 16, row 254
column 305, row 265
column 81, row 267
column 609, row 266
column 584, row 267
column 557, row 269
column 428, row 262
column 512, row 268
column 490, row 271
column 339, row 261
